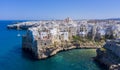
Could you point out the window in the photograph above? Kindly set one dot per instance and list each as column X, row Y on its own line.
column 110, row 44
column 44, row 43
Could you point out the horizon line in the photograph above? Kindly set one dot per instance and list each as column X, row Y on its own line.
column 63, row 19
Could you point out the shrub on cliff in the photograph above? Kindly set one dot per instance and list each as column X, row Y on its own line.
column 103, row 49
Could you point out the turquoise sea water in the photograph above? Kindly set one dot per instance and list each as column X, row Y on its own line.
column 12, row 57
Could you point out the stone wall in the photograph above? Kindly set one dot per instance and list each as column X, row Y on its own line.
column 43, row 43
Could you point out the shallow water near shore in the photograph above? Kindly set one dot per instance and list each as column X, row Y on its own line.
column 12, row 57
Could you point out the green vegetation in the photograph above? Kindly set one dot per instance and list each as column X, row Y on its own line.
column 76, row 38
column 102, row 49
column 86, row 41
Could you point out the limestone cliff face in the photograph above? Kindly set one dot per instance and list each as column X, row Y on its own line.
column 109, row 54
column 42, row 49
column 46, row 52
column 108, row 59
column 43, row 52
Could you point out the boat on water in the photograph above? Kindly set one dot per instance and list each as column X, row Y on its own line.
column 18, row 35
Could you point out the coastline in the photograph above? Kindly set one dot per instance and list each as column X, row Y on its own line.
column 47, row 52
column 44, row 41
column 24, row 60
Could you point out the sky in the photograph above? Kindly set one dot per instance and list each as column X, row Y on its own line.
column 58, row 9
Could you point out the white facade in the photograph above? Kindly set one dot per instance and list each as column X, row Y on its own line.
column 53, row 31
column 65, row 35
column 82, row 34
column 43, row 35
column 64, row 30
column 102, row 32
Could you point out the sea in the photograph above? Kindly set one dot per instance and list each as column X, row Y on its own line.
column 13, row 58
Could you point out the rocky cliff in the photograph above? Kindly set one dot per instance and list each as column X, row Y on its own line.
column 108, row 59
column 46, row 52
